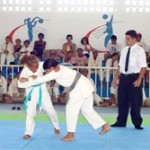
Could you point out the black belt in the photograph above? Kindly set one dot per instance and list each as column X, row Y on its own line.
column 131, row 74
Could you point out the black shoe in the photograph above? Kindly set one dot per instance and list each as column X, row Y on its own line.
column 18, row 108
column 13, row 108
column 139, row 128
column 118, row 125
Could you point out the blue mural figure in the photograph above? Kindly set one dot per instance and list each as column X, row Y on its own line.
column 109, row 29
column 31, row 23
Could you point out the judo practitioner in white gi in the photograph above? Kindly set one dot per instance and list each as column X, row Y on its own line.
column 34, row 68
column 80, row 96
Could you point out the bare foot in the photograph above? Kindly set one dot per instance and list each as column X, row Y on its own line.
column 27, row 136
column 105, row 128
column 57, row 131
column 68, row 137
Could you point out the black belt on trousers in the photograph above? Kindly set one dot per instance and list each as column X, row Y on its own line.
column 131, row 74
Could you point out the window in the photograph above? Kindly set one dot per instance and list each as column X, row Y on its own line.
column 16, row 5
column 75, row 6
column 86, row 5
column 44, row 5
column 137, row 6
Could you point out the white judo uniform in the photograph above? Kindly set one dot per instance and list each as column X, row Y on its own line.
column 96, row 63
column 3, row 85
column 7, row 57
column 32, row 103
column 80, row 98
column 25, row 51
column 97, row 98
column 13, row 88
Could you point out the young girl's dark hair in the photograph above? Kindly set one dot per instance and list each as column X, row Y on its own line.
column 18, row 40
column 49, row 63
column 41, row 34
column 69, row 35
column 84, row 38
column 26, row 41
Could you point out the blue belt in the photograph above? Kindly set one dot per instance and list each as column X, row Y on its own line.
column 28, row 97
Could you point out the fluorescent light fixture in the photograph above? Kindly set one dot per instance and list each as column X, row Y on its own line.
column 29, row 2
column 10, row 2
column 4, row 8
column 23, row 8
column 127, row 2
column 16, row 8
column 23, row 2
column 4, row 2
column 128, row 9
column 59, row 8
column 134, row 9
column 17, row 1
column 41, row 2
column 48, row 2
column 10, row 8
column 79, row 9
column 29, row 8
column 147, row 9
column 85, row 9
column 134, row 2
column 41, row 9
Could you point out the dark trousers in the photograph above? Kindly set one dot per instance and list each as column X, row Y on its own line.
column 128, row 95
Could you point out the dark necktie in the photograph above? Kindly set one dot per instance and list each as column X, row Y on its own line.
column 127, row 59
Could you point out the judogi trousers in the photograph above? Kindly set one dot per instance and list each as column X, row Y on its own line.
column 81, row 99
column 47, row 107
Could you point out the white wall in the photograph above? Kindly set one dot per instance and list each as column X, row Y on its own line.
column 57, row 25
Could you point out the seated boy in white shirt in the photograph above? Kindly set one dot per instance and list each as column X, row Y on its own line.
column 3, row 87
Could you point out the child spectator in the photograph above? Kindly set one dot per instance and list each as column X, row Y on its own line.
column 26, row 49
column 3, row 87
column 86, row 47
column 113, row 52
column 81, row 60
column 70, row 59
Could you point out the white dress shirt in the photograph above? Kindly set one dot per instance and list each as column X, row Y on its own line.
column 137, row 59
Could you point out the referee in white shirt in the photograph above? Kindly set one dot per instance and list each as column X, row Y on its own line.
column 132, row 68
